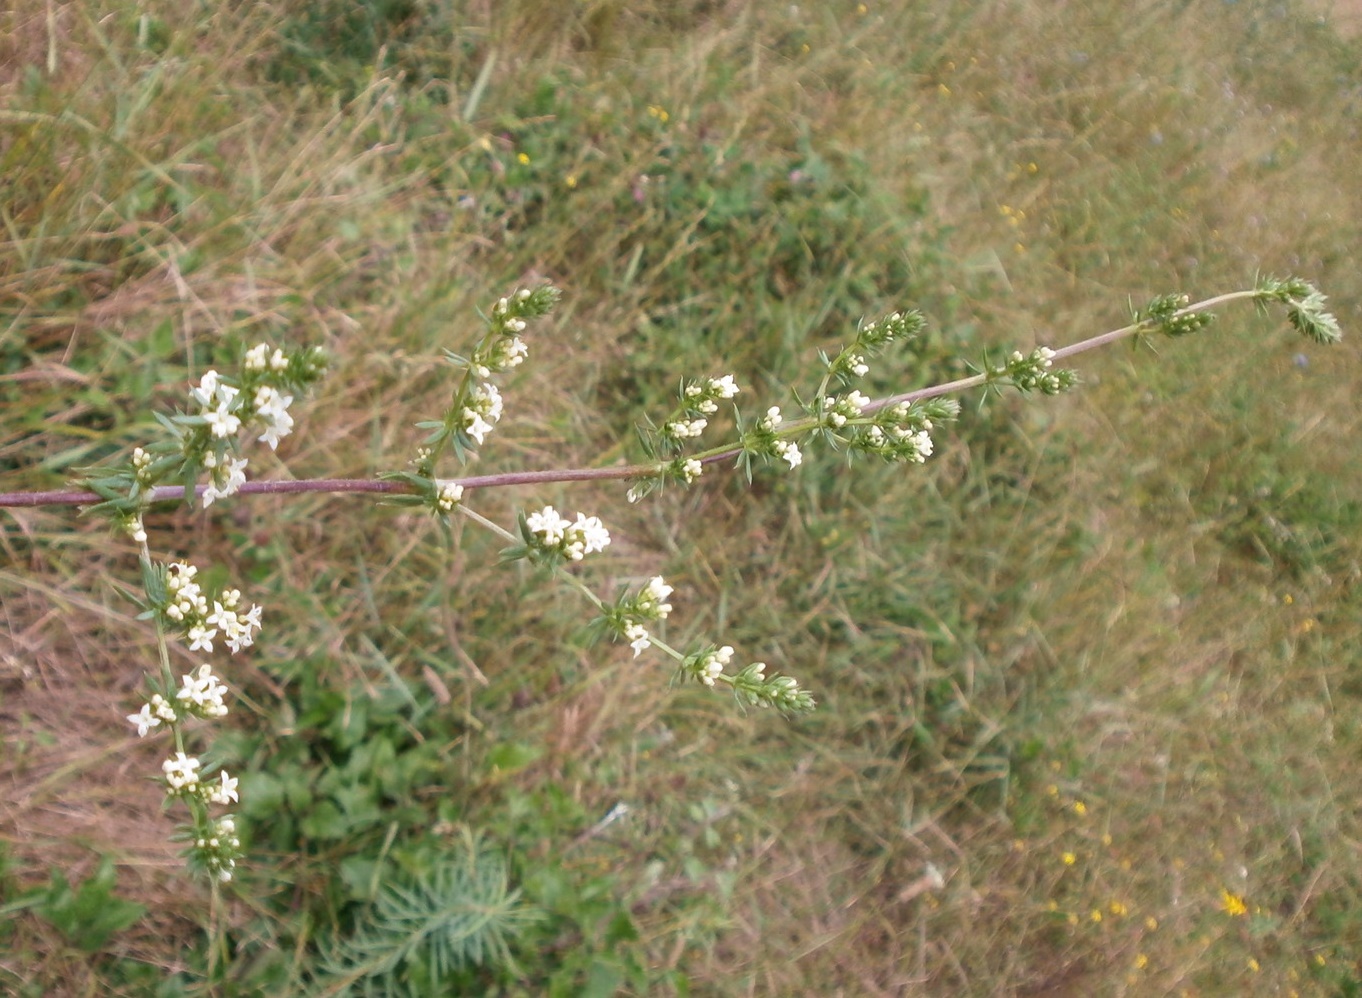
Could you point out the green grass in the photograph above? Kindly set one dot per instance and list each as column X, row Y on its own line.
column 1139, row 598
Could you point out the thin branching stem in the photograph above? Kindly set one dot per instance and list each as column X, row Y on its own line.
column 175, row 493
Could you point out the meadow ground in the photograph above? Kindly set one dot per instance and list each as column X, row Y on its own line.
column 1095, row 664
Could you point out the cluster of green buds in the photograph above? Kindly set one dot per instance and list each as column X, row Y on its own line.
column 751, row 686
column 1166, row 314
column 1305, row 307
column 1032, row 373
column 903, row 431
column 871, row 338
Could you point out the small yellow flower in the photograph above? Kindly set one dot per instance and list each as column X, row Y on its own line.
column 1118, row 908
column 1151, row 923
column 1141, row 962
column 1069, row 859
column 523, row 158
column 1052, row 790
column 862, row 9
column 1253, row 965
column 659, row 112
column 1080, row 808
column 570, row 181
column 1106, row 838
column 1232, row 904
column 1320, row 959
column 1096, row 915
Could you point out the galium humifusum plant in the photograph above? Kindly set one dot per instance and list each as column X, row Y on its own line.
column 200, row 453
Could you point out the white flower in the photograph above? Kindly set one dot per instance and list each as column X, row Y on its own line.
column 222, row 422
column 208, row 387
column 654, row 596
column 588, row 534
column 681, row 429
column 691, row 470
column 255, row 359
column 789, row 451
column 137, row 530
column 857, row 365
column 856, row 401
column 181, row 771
column 638, row 638
column 922, row 440
column 772, row 418
column 548, row 525
column 514, row 352
column 144, row 720
column 224, row 792
column 200, row 638
column 278, row 362
column 226, row 481
column 272, row 408
column 724, row 387
column 482, row 412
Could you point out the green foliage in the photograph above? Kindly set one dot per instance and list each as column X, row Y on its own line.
column 89, row 913
column 423, row 936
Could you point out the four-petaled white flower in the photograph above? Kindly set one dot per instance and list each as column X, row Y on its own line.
column 225, row 791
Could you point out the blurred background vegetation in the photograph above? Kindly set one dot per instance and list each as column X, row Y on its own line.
column 1095, row 663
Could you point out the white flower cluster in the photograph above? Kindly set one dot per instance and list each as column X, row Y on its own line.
column 683, row 429
column 256, row 359
column 502, row 355
column 181, row 772
column 227, row 478
column 221, row 407
column 901, row 435
column 272, row 409
column 786, row 449
column 188, row 607
column 482, row 412
column 551, row 532
column 649, row 605
column 838, row 410
column 703, row 397
column 448, row 496
column 711, row 665
column 202, row 694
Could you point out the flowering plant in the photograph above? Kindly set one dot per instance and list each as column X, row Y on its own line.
column 206, row 442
